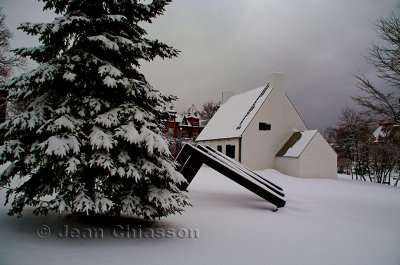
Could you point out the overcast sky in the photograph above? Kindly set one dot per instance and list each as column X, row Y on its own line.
column 232, row 45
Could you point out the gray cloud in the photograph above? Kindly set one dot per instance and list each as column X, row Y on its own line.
column 233, row 45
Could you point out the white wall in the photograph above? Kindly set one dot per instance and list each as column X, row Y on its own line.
column 260, row 147
column 318, row 160
column 288, row 165
column 223, row 142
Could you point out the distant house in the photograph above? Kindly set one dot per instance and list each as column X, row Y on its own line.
column 261, row 129
column 386, row 129
column 183, row 125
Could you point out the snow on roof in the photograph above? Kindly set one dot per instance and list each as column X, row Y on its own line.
column 178, row 117
column 193, row 113
column 378, row 133
column 296, row 144
column 234, row 116
column 385, row 129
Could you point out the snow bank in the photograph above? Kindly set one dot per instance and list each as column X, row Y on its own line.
column 324, row 222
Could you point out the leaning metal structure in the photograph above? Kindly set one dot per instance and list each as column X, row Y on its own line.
column 191, row 158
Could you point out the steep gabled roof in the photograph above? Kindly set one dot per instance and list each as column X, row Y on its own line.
column 296, row 143
column 233, row 117
column 192, row 113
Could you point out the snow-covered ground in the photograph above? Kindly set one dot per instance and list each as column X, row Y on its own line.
column 324, row 222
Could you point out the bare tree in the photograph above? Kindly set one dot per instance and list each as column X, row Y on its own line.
column 353, row 135
column 362, row 154
column 383, row 103
column 209, row 109
column 386, row 157
column 8, row 61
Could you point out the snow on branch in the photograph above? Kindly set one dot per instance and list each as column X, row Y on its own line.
column 128, row 133
column 110, row 70
column 132, row 172
column 109, row 118
column 95, row 104
column 116, row 17
column 13, row 147
column 130, row 204
column 69, row 76
column 149, row 167
column 65, row 122
column 72, row 165
column 105, row 41
column 103, row 161
column 83, row 203
column 101, row 140
column 110, row 82
column 174, row 175
column 33, row 28
column 102, row 204
column 60, row 146
column 162, row 197
column 63, row 207
column 153, row 141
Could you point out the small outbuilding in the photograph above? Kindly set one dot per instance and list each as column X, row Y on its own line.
column 262, row 129
column 307, row 155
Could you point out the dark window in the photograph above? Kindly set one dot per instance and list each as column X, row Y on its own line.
column 262, row 126
column 219, row 148
column 230, row 150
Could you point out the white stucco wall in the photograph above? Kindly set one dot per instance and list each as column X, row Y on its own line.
column 288, row 165
column 260, row 147
column 318, row 160
column 223, row 142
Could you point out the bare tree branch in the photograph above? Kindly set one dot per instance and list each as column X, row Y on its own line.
column 209, row 109
column 381, row 103
column 8, row 61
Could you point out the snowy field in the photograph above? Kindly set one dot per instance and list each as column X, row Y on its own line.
column 323, row 222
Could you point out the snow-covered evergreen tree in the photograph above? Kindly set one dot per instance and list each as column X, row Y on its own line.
column 91, row 140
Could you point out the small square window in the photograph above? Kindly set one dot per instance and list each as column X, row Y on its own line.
column 262, row 126
column 219, row 148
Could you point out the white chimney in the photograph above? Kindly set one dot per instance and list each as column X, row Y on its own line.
column 277, row 81
column 226, row 95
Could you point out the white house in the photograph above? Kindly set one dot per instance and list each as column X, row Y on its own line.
column 261, row 129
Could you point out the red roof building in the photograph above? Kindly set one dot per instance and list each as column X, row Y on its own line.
column 184, row 125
